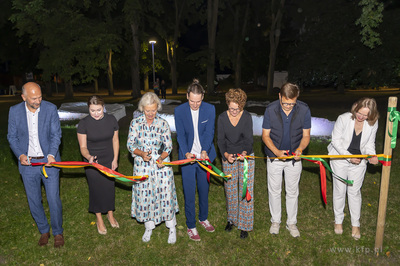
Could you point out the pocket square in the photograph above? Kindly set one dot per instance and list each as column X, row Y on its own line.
column 205, row 121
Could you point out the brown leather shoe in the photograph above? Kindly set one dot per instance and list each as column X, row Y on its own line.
column 58, row 241
column 44, row 239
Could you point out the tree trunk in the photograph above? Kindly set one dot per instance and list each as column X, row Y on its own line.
column 239, row 36
column 274, row 41
column 135, row 62
column 69, row 92
column 110, row 82
column 171, row 56
column 212, row 19
column 146, row 82
column 49, row 92
column 96, row 86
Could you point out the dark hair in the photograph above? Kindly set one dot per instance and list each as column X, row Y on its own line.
column 195, row 88
column 236, row 96
column 369, row 103
column 290, row 91
column 95, row 100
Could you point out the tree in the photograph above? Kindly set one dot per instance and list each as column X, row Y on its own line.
column 74, row 43
column 212, row 20
column 370, row 19
column 172, row 43
column 237, row 34
column 138, row 14
column 277, row 7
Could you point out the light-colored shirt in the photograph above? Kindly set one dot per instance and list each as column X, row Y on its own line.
column 196, row 148
column 34, row 149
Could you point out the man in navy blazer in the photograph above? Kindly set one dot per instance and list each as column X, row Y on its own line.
column 34, row 134
column 194, row 122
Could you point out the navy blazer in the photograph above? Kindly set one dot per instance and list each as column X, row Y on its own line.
column 49, row 131
column 185, row 132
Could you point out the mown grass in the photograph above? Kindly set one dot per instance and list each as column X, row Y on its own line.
column 318, row 245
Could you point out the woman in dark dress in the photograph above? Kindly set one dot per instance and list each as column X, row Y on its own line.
column 99, row 143
column 235, row 136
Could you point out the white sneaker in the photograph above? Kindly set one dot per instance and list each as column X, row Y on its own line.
column 172, row 236
column 147, row 235
column 274, row 229
column 293, row 230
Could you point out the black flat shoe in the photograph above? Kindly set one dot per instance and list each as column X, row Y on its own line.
column 228, row 227
column 244, row 234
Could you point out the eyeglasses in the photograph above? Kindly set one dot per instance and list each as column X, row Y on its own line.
column 362, row 115
column 234, row 109
column 288, row 104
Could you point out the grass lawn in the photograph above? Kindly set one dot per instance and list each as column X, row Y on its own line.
column 318, row 245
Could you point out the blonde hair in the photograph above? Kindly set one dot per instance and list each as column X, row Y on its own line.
column 369, row 103
column 149, row 98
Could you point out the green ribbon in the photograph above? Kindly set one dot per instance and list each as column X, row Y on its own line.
column 245, row 174
column 215, row 169
column 349, row 182
column 394, row 117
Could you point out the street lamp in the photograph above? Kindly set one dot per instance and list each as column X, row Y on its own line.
column 152, row 52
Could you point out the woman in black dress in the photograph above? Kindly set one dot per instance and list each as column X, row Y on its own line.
column 99, row 143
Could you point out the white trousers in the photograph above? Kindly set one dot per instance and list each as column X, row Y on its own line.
column 169, row 224
column 349, row 171
column 292, row 172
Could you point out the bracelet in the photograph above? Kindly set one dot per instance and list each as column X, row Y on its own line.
column 299, row 150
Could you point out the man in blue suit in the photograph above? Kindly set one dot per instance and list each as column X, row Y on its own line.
column 194, row 122
column 34, row 134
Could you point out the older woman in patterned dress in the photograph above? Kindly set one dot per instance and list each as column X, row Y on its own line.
column 149, row 142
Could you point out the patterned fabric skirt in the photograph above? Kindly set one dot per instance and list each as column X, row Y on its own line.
column 155, row 199
column 240, row 211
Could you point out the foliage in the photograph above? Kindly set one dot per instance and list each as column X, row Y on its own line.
column 371, row 18
column 324, row 49
column 75, row 36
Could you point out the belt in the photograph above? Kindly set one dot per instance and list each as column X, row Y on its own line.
column 36, row 158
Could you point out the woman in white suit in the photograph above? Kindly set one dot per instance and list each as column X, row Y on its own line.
column 354, row 133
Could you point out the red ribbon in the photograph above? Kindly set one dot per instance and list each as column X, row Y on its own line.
column 322, row 172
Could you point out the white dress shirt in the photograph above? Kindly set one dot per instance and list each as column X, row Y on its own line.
column 34, row 149
column 196, row 148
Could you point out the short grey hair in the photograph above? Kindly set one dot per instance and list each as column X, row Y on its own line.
column 149, row 98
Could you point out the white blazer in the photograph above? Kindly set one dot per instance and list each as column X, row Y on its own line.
column 342, row 135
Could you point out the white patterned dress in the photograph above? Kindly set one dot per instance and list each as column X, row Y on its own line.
column 153, row 199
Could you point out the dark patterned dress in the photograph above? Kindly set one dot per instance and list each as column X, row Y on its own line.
column 154, row 199
column 99, row 136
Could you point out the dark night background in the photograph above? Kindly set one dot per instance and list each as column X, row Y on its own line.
column 320, row 44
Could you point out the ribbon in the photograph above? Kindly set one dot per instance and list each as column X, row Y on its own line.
column 107, row 171
column 394, row 117
column 323, row 165
column 323, row 177
column 245, row 191
column 205, row 164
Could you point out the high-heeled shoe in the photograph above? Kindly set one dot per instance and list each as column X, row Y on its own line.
column 101, row 232
column 113, row 225
column 355, row 232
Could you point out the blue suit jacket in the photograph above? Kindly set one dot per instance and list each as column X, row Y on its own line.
column 49, row 131
column 185, row 132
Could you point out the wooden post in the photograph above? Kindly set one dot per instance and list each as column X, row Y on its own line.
column 387, row 150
